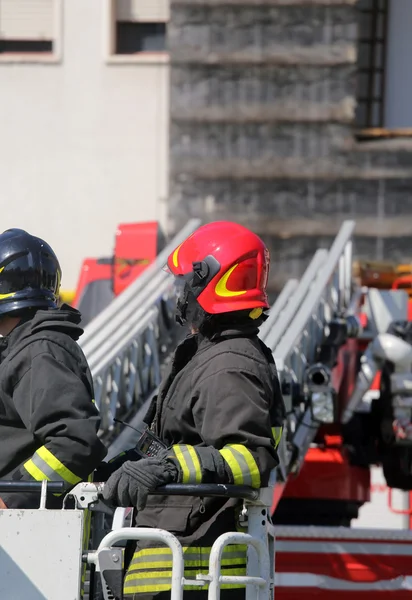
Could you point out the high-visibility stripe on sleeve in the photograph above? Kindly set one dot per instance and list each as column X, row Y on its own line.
column 44, row 465
column 242, row 464
column 189, row 463
column 35, row 472
column 277, row 434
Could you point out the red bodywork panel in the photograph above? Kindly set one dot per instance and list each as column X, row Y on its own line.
column 352, row 569
column 92, row 270
column 327, row 474
column 135, row 250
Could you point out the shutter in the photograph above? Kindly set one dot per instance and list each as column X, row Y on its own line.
column 149, row 11
column 26, row 19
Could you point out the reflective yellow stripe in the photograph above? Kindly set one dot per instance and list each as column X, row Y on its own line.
column 189, row 463
column 194, row 556
column 190, row 549
column 167, row 564
column 182, row 463
column 233, row 465
column 35, row 472
column 196, row 463
column 157, row 581
column 277, row 434
column 150, row 568
column 175, row 255
column 58, row 467
column 242, row 464
column 221, row 286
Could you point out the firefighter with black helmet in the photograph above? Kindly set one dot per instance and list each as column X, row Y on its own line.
column 219, row 410
column 48, row 421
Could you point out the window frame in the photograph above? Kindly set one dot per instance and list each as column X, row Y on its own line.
column 54, row 57
column 109, row 42
column 380, row 132
column 373, row 98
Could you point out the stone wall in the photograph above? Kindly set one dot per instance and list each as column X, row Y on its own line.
column 262, row 130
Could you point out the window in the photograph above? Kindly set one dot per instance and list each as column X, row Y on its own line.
column 140, row 37
column 138, row 29
column 372, row 38
column 28, row 29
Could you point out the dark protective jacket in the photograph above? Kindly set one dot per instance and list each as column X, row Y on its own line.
column 222, row 392
column 48, row 421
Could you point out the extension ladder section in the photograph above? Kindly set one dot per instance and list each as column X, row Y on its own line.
column 297, row 328
column 128, row 342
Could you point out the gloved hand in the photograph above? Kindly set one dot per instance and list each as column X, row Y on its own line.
column 132, row 483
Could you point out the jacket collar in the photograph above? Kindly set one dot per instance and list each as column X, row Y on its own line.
column 233, row 332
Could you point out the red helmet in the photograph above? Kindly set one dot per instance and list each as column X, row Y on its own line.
column 226, row 268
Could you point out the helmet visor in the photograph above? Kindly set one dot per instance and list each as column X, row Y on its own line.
column 20, row 274
column 17, row 275
column 182, row 284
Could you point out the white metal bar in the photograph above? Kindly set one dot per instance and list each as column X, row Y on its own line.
column 43, row 495
column 152, row 535
column 295, row 532
column 262, row 582
column 344, row 547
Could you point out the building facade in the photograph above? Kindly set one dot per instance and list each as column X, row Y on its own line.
column 83, row 120
column 286, row 115
column 291, row 116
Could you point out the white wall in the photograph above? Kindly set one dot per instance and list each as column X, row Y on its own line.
column 398, row 83
column 83, row 143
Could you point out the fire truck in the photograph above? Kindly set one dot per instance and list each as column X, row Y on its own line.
column 102, row 279
column 335, row 519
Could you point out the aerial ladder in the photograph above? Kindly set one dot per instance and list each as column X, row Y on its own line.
column 312, row 330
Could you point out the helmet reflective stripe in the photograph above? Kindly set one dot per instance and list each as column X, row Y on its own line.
column 221, row 286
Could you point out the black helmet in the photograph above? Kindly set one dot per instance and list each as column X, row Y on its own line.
column 30, row 273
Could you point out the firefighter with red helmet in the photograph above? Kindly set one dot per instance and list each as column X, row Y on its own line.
column 219, row 410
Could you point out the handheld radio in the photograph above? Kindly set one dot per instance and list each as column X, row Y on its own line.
column 148, row 444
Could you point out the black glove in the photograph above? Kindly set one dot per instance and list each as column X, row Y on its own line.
column 132, row 483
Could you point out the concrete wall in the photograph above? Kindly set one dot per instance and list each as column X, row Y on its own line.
column 83, row 141
column 262, row 130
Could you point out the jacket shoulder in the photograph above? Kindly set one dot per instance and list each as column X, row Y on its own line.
column 55, row 343
column 240, row 353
